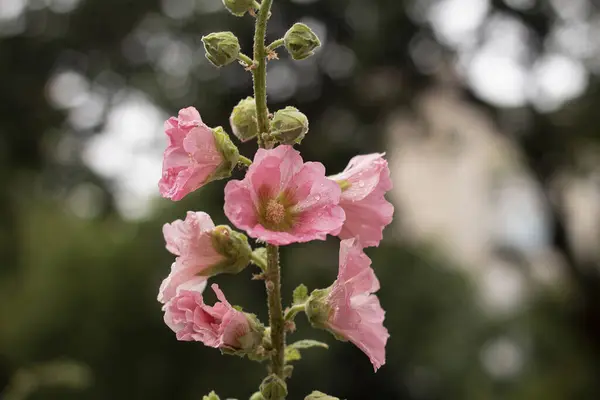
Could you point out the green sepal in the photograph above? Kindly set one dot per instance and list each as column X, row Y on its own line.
column 300, row 41
column 289, row 126
column 234, row 247
column 228, row 150
column 316, row 395
column 222, row 48
column 300, row 295
column 243, row 119
column 211, row 396
column 273, row 388
column 317, row 309
column 238, row 7
column 257, row 396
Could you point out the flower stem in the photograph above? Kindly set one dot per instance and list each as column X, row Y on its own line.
column 273, row 272
column 291, row 312
column 277, row 43
column 245, row 161
column 260, row 73
column 273, row 284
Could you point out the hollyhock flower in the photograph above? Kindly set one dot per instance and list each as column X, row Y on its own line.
column 203, row 250
column 348, row 308
column 283, row 200
column 219, row 326
column 196, row 155
column 364, row 183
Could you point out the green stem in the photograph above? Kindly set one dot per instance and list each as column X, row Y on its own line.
column 258, row 259
column 291, row 312
column 245, row 161
column 260, row 73
column 246, row 60
column 277, row 43
column 273, row 283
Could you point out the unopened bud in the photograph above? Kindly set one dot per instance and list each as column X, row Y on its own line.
column 243, row 119
column 222, row 48
column 211, row 396
column 273, row 388
column 320, row 396
column 300, row 41
column 289, row 126
column 229, row 152
column 234, row 246
column 238, row 7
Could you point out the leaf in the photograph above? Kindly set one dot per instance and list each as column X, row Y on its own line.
column 292, row 354
column 308, row 343
column 300, row 294
column 292, row 351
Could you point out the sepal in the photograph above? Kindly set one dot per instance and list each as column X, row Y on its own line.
column 300, row 41
column 234, row 247
column 222, row 48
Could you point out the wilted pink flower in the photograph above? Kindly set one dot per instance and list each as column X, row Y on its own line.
column 190, row 240
column 364, row 183
column 283, row 200
column 219, row 326
column 191, row 157
column 349, row 309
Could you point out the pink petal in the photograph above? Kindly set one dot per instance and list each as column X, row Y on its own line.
column 239, row 206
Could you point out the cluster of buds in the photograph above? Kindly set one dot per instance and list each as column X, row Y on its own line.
column 281, row 200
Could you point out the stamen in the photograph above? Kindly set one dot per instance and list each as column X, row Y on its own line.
column 274, row 212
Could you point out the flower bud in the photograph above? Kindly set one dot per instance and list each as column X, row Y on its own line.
column 316, row 395
column 222, row 48
column 273, row 388
column 238, row 7
column 300, row 41
column 211, row 396
column 234, row 247
column 228, row 150
column 243, row 120
column 289, row 126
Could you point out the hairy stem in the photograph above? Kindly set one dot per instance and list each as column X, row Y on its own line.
column 272, row 273
column 273, row 283
column 260, row 73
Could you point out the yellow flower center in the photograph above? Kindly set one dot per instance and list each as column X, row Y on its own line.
column 274, row 212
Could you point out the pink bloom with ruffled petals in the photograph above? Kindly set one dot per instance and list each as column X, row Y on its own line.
column 191, row 241
column 284, row 200
column 216, row 326
column 364, row 183
column 191, row 157
column 355, row 313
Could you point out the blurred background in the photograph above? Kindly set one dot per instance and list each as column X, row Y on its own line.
column 489, row 111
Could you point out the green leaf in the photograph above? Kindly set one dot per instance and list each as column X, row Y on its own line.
column 292, row 351
column 300, row 294
column 308, row 343
column 292, row 354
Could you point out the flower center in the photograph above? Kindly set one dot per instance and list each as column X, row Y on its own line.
column 274, row 212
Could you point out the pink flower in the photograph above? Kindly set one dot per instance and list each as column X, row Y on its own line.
column 190, row 240
column 283, row 200
column 350, row 309
column 364, row 183
column 191, row 157
column 219, row 326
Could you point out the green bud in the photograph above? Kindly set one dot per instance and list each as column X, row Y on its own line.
column 238, row 7
column 243, row 120
column 300, row 41
column 234, row 246
column 257, row 396
column 211, row 396
column 273, row 388
column 289, row 126
column 320, row 396
column 222, row 48
column 228, row 150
